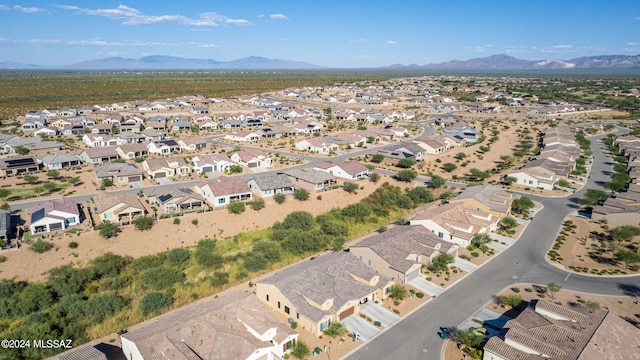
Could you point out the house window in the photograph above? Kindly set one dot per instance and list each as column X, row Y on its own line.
column 360, row 257
column 278, row 304
column 220, row 201
column 325, row 325
column 369, row 262
column 298, row 316
column 387, row 290
column 440, row 235
column 267, row 297
column 286, row 309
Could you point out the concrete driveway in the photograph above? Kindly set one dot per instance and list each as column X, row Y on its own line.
column 357, row 324
column 136, row 185
column 378, row 313
column 425, row 286
column 464, row 265
column 164, row 181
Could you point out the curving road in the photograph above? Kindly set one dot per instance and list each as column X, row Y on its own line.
column 415, row 337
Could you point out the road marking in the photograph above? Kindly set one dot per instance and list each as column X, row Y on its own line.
column 566, row 278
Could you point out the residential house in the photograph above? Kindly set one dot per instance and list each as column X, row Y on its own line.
column 35, row 145
column 488, row 199
column 243, row 135
column 46, row 131
column 350, row 170
column 166, row 167
column 132, row 151
column 98, row 155
column 400, row 253
column 433, row 146
column 74, row 129
column 311, row 179
column 403, row 150
column 233, row 326
column 207, row 163
column 104, row 128
column 193, row 143
column 316, row 145
column 328, row 289
column 268, row 185
column 99, row 140
column 617, row 212
column 130, row 138
column 16, row 165
column 118, row 207
column 455, row 222
column 32, row 124
column 118, row 173
column 157, row 122
column 199, row 110
column 224, row 190
column 252, row 158
column 173, row 199
column 163, row 147
column 52, row 215
column 59, row 161
column 152, row 134
column 180, row 123
column 231, row 124
column 546, row 330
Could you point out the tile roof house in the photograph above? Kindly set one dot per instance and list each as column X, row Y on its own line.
column 118, row 207
column 132, row 151
column 163, row 147
column 52, row 215
column 234, row 326
column 59, row 161
column 118, row 173
column 456, row 222
column 268, row 185
column 318, row 292
column 166, row 167
column 242, row 135
column 317, row 145
column 487, row 198
column 433, row 146
column 617, row 212
column 545, row 330
column 400, row 252
column 351, row 170
column 403, row 150
column 98, row 155
column 224, row 190
column 82, row 352
column 173, row 199
column 192, row 143
column 211, row 163
column 252, row 158
column 99, row 140
column 311, row 179
column 16, row 165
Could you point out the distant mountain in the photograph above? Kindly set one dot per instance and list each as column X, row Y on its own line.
column 159, row 62
column 505, row 62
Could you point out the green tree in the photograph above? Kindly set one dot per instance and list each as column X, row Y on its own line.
column 53, row 174
column 335, row 330
column 624, row 233
column 436, row 181
column 512, row 300
column 255, row 261
column 358, row 211
column 405, row 163
column 257, row 204
column 301, row 194
column 143, row 223
column 100, row 306
column 300, row 220
column 161, row 277
column 460, row 156
column 522, row 205
column 279, row 198
column 155, row 301
column 4, row 193
column 178, row 256
column 21, row 150
column 553, row 288
column 205, row 255
column 449, row 167
column 374, row 177
column 40, row 246
column 30, row 179
column 219, row 279
column 236, row 207
column 627, row 257
column 593, row 196
column 5, row 206
column 377, row 158
column 334, row 228
column 66, row 280
column 73, row 180
column 420, row 194
column 469, row 337
column 442, row 261
column 406, row 175
column 272, row 250
column 235, row 169
column 480, row 239
column 300, row 350
column 509, row 223
column 484, row 148
column 350, row 187
column 479, row 174
column 109, row 264
column 398, row 292
column 338, row 244
column 108, row 229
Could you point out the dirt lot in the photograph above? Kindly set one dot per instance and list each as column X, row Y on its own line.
column 574, row 252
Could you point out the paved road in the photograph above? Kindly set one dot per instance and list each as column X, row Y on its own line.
column 415, row 337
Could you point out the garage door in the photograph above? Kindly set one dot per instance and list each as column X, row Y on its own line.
column 253, row 164
column 207, row 169
column 161, row 174
column 412, row 275
column 56, row 226
column 135, row 178
column 347, row 312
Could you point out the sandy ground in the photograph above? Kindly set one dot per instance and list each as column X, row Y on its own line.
column 575, row 250
column 165, row 235
column 622, row 306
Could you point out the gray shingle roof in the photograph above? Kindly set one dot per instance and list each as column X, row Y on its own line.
column 272, row 182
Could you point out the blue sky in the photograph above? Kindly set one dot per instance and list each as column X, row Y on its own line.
column 329, row 33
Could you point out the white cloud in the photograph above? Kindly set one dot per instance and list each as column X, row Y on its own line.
column 201, row 45
column 88, row 42
column 260, row 16
column 278, row 17
column 391, row 42
column 363, row 41
column 561, row 46
column 633, row 43
column 131, row 16
column 479, row 48
column 28, row 10
column 4, row 7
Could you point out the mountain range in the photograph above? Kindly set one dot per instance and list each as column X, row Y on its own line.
column 494, row 62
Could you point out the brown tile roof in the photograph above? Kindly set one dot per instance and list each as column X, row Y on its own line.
column 64, row 204
column 453, row 216
column 350, row 167
column 228, row 186
column 105, row 201
column 98, row 152
column 489, row 195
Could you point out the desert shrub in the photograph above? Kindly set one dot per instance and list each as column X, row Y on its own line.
column 40, row 246
column 161, row 277
column 178, row 256
column 155, row 301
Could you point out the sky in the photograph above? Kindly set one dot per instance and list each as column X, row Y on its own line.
column 339, row 34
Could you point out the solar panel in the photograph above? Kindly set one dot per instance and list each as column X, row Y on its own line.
column 37, row 215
